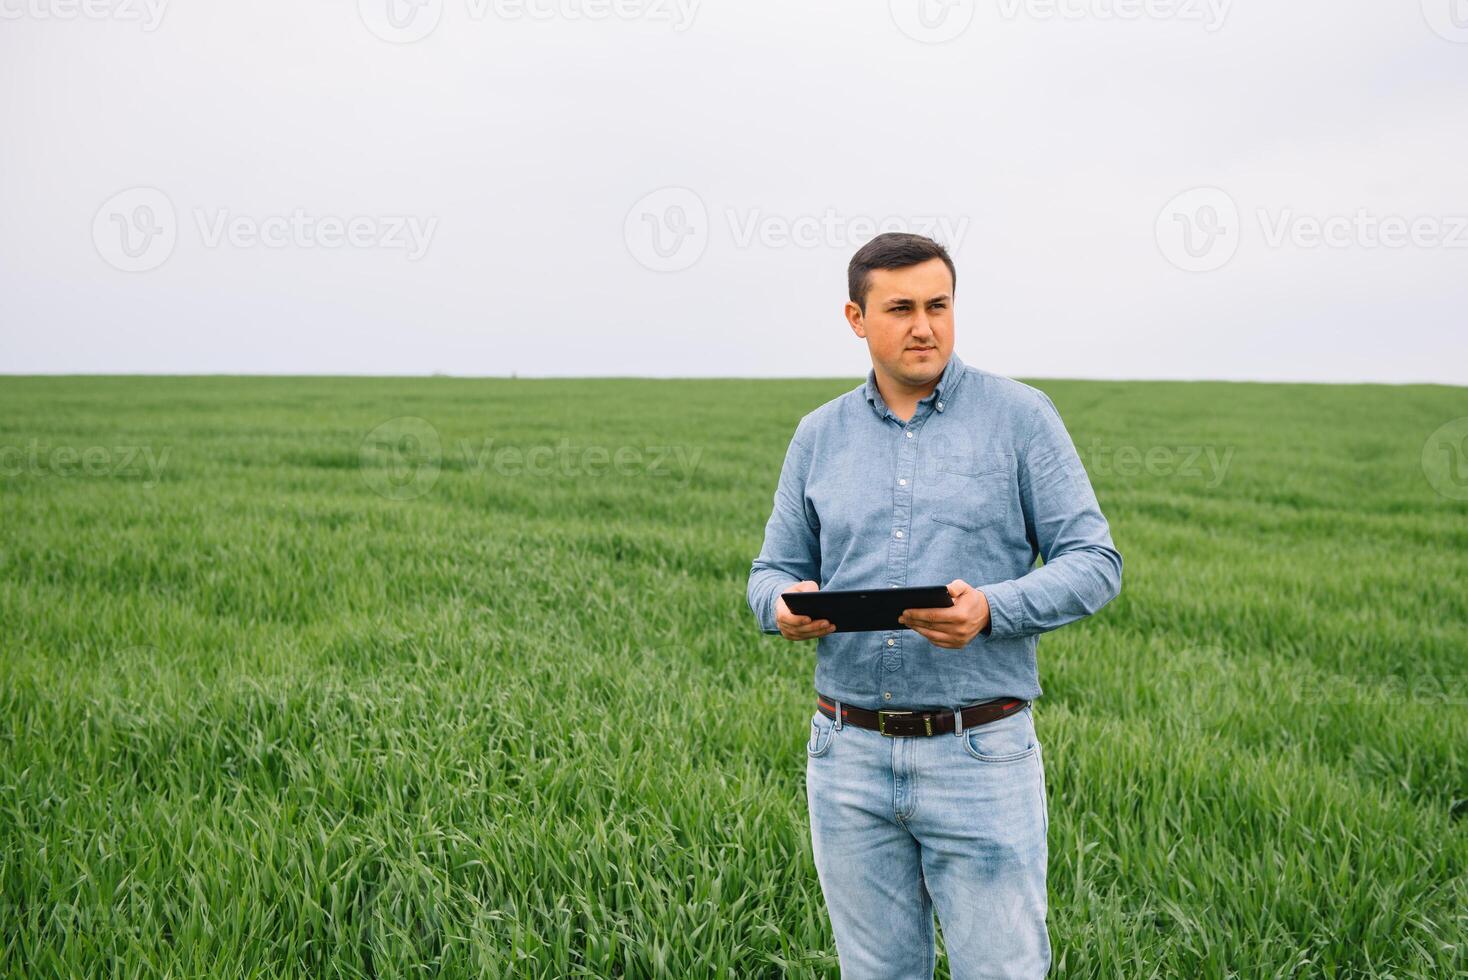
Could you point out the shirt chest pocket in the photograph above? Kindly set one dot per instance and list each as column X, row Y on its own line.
column 973, row 491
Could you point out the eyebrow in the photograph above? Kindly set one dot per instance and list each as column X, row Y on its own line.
column 904, row 299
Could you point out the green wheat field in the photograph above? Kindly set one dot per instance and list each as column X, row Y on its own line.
column 327, row 677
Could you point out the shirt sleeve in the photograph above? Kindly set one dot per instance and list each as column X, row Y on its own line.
column 791, row 551
column 1082, row 568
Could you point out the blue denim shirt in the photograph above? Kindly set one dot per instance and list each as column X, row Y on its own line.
column 981, row 480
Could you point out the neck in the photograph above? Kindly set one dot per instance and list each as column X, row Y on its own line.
column 902, row 398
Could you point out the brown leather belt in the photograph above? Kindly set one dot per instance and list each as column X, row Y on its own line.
column 902, row 723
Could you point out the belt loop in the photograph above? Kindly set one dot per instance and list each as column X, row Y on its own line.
column 838, row 713
column 958, row 721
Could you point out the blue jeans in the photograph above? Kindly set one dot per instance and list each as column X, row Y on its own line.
column 953, row 823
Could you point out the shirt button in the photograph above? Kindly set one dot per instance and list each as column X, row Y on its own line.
column 909, row 433
column 890, row 641
column 899, row 534
column 940, row 406
column 886, row 695
column 902, row 482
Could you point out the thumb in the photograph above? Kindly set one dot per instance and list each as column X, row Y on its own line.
column 958, row 587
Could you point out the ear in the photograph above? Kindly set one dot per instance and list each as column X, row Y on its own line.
column 854, row 318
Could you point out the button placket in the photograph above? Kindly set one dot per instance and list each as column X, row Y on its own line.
column 898, row 545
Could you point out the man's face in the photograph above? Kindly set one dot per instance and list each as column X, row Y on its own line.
column 908, row 324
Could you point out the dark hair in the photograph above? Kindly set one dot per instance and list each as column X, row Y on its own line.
column 891, row 250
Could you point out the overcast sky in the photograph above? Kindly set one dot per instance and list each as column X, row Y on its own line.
column 1131, row 188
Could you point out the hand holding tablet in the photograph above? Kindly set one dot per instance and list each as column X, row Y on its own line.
column 857, row 610
column 796, row 626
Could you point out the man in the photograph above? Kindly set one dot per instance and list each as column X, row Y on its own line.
column 924, row 778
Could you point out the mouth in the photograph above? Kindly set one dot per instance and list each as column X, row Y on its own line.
column 922, row 350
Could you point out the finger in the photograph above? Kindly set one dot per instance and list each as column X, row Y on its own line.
column 923, row 617
column 814, row 629
column 930, row 635
column 940, row 637
column 930, row 611
column 932, row 615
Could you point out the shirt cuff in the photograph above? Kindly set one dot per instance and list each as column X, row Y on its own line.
column 767, row 624
column 1004, row 610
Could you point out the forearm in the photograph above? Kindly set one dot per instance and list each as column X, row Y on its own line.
column 1068, row 587
column 791, row 551
column 765, row 585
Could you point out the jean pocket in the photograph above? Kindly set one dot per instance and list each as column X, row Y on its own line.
column 822, row 731
column 1010, row 739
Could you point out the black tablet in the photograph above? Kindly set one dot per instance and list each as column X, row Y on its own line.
column 861, row 610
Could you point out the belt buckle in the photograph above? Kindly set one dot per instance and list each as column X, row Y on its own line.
column 882, row 722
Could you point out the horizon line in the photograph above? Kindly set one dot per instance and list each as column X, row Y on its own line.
column 515, row 376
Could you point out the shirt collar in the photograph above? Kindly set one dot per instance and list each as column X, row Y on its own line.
column 942, row 393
